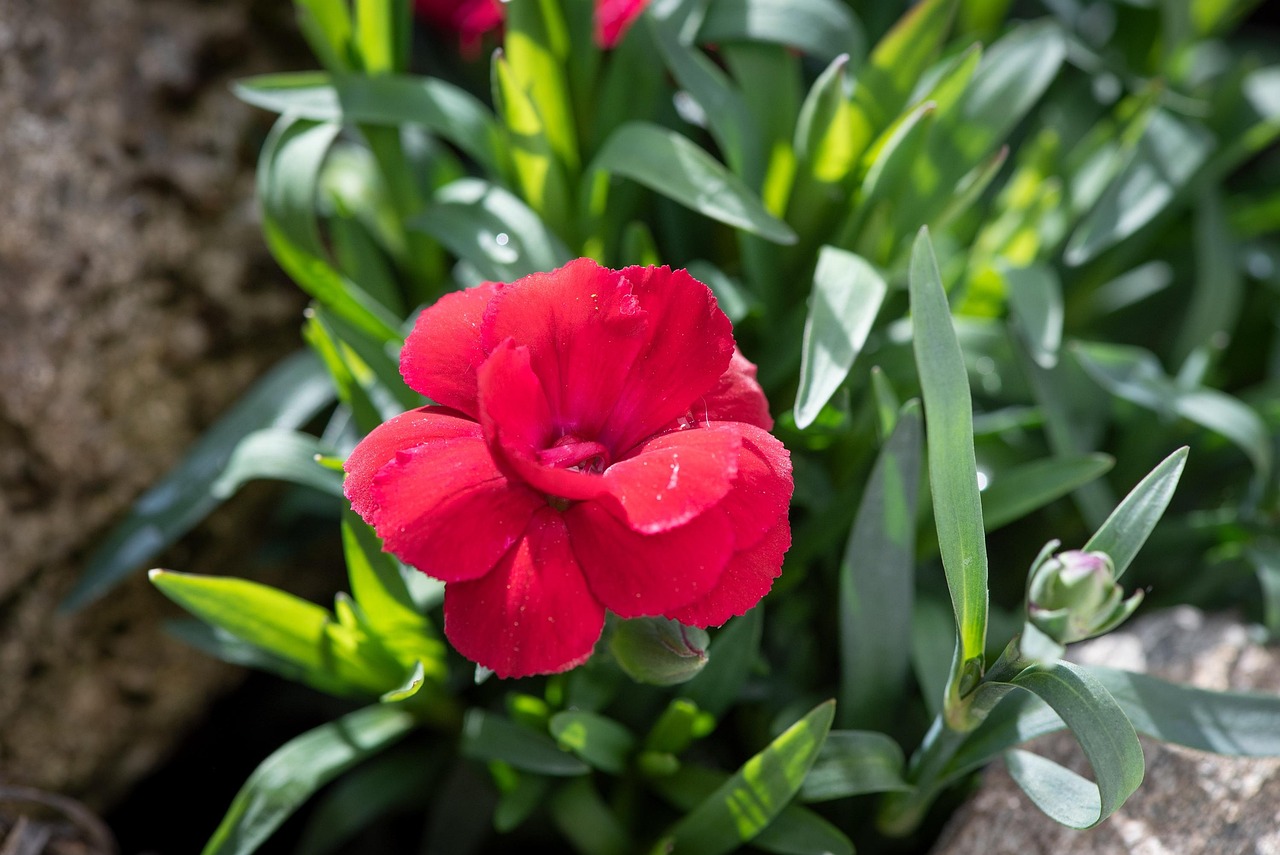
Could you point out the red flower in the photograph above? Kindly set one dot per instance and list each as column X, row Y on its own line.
column 598, row 444
column 471, row 19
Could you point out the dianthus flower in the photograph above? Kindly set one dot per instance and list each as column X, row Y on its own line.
column 597, row 443
column 471, row 19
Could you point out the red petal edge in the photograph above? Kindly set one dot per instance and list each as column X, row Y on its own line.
column 441, row 355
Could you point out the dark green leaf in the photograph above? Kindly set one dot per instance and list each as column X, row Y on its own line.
column 846, row 297
column 823, row 29
column 282, row 455
column 877, row 578
column 733, row 653
column 745, row 804
column 486, row 736
column 600, row 741
column 287, row 397
column 670, row 164
column 300, row 767
column 854, row 763
column 586, row 820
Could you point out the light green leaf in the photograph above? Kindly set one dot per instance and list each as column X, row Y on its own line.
column 953, row 469
column 846, row 297
column 745, row 804
column 536, row 49
column 600, row 741
column 289, row 396
column 389, row 100
column 823, row 29
column 1103, row 731
column 1129, row 525
column 327, row 27
column 493, row 229
column 670, row 164
column 1035, row 300
column 335, row 658
column 282, row 455
column 486, row 736
column 415, row 680
column 343, row 366
column 300, row 767
column 854, row 763
column 1169, row 153
column 877, row 579
column 1017, row 492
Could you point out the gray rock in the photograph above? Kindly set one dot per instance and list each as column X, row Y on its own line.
column 1190, row 801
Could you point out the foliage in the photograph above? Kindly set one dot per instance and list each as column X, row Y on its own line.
column 945, row 240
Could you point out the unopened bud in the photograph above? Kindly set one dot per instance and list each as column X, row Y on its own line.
column 1074, row 595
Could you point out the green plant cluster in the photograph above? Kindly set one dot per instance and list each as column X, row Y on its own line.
column 1000, row 268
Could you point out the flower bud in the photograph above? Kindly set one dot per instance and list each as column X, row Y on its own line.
column 659, row 651
column 1074, row 595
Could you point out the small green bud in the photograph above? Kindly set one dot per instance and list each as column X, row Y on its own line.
column 1074, row 595
column 659, row 651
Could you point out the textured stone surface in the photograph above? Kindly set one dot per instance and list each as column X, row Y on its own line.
column 136, row 302
column 1189, row 802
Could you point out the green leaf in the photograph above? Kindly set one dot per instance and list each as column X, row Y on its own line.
column 343, row 366
column 493, row 229
column 536, row 49
column 1027, row 487
column 734, row 652
column 391, row 783
column 1218, row 286
column 846, row 297
column 487, row 736
column 382, row 33
column 854, row 763
column 1237, row 724
column 289, row 396
column 953, row 469
column 877, row 579
column 1129, row 525
column 600, row 741
column 540, row 175
column 388, row 100
column 335, row 658
column 745, row 804
column 822, row 140
column 288, row 174
column 220, row 644
column 300, row 767
column 1103, row 731
column 1035, row 300
column 584, row 818
column 1169, row 153
column 670, row 164
column 327, row 27
column 282, row 455
column 733, row 300
column 823, row 29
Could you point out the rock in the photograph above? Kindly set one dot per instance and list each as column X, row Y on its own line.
column 1190, row 801
column 137, row 302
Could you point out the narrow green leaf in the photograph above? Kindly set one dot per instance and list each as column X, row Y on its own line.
column 953, row 469
column 670, row 164
column 1129, row 525
column 846, row 297
column 745, row 804
column 540, row 174
column 1218, row 289
column 493, row 229
column 1030, row 486
column 327, row 27
column 584, row 818
column 278, row 454
column 356, row 397
column 220, row 644
column 1035, row 300
column 487, row 736
column 333, row 657
column 1103, row 731
column 1237, row 724
column 1169, row 153
column 854, row 763
column 300, row 767
column 379, row 589
column 536, row 49
column 380, row 26
column 289, row 396
column 1264, row 557
column 519, row 799
column 733, row 299
column 823, row 29
column 600, row 741
column 733, row 653
column 877, row 580
column 389, row 100
column 413, row 682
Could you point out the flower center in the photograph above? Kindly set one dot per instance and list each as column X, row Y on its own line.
column 575, row 454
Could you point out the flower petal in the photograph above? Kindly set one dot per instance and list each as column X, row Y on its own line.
column 637, row 574
column 614, row 17
column 517, row 425
column 444, row 508
column 690, row 344
column 380, row 447
column 673, row 477
column 761, row 492
column 534, row 614
column 746, row 579
column 441, row 355
column 737, row 397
